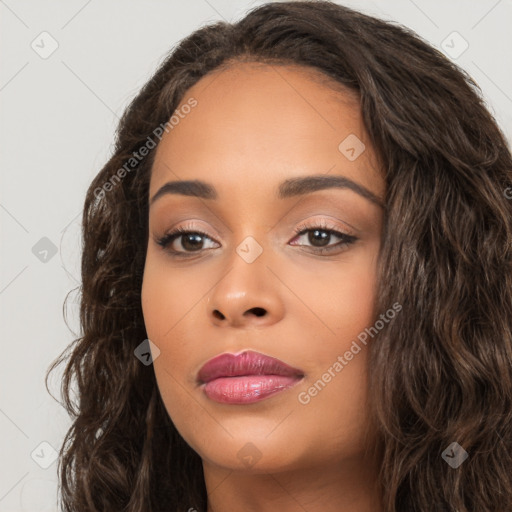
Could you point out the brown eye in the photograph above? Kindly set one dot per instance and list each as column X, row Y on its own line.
column 191, row 241
column 319, row 236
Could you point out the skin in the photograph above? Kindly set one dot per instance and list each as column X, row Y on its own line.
column 253, row 127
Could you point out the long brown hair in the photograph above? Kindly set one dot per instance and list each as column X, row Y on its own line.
column 440, row 373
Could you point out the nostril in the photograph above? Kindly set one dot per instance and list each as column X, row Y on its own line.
column 219, row 315
column 258, row 311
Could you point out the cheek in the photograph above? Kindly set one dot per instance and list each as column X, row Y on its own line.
column 344, row 301
column 341, row 298
column 168, row 296
column 167, row 300
column 355, row 302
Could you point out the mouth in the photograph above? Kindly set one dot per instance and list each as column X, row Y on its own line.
column 246, row 378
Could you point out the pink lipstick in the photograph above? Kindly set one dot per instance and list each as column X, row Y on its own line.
column 245, row 378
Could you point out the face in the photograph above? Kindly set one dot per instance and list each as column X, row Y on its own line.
column 285, row 271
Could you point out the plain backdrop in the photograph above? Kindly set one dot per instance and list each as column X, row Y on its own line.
column 68, row 70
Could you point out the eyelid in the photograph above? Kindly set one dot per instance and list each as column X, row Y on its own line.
column 331, row 210
column 193, row 225
column 327, row 223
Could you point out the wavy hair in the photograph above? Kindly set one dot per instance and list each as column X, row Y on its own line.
column 440, row 373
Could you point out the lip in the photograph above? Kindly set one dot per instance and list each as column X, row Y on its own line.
column 246, row 377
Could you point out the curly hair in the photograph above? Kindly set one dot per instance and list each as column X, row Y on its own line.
column 441, row 372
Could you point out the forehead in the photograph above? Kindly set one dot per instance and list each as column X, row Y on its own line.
column 260, row 124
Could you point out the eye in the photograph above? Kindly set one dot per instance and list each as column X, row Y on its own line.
column 320, row 235
column 191, row 240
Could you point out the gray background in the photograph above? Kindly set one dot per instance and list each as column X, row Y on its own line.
column 59, row 113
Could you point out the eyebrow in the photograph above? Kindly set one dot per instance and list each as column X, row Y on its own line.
column 291, row 187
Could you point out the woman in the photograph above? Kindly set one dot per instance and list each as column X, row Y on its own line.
column 342, row 337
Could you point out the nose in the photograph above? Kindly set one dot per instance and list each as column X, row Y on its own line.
column 247, row 296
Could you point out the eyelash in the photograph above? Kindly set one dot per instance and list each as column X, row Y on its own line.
column 168, row 238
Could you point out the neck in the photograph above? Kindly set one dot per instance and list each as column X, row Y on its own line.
column 350, row 487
